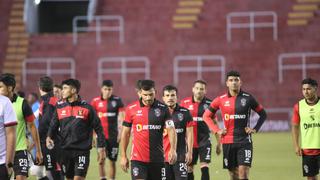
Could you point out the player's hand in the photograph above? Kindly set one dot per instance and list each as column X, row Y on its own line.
column 222, row 132
column 218, row 149
column 298, row 151
column 94, row 142
column 102, row 155
column 49, row 143
column 10, row 172
column 124, row 163
column 188, row 158
column 172, row 156
column 39, row 158
column 250, row 130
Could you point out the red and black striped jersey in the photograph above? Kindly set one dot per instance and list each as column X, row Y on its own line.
column 182, row 119
column 46, row 112
column 235, row 111
column 147, row 123
column 108, row 111
column 201, row 132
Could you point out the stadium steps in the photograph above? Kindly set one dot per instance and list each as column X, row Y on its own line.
column 303, row 11
column 187, row 14
column 18, row 42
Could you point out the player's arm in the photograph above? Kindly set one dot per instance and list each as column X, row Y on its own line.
column 97, row 127
column 189, row 138
column 29, row 117
column 53, row 130
column 124, row 140
column 262, row 117
column 296, row 130
column 120, row 121
column 172, row 157
column 210, row 118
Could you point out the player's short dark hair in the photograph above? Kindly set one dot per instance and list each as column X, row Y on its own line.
column 8, row 79
column 232, row 73
column 138, row 84
column 169, row 88
column 45, row 84
column 310, row 81
column 72, row 82
column 21, row 94
column 107, row 83
column 57, row 86
column 146, row 85
column 200, row 82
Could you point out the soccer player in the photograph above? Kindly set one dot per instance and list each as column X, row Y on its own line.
column 75, row 120
column 197, row 104
column 8, row 122
column 147, row 117
column 25, row 119
column 111, row 113
column 235, row 106
column 57, row 91
column 46, row 111
column 306, row 121
column 184, row 128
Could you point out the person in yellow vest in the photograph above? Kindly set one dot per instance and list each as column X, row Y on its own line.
column 25, row 120
column 306, row 125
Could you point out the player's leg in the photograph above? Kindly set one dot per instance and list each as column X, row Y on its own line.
column 4, row 172
column 230, row 160
column 156, row 171
column 139, row 170
column 81, row 164
column 169, row 171
column 205, row 159
column 113, row 156
column 180, row 171
column 244, row 158
column 102, row 171
column 67, row 164
column 195, row 155
column 21, row 165
column 310, row 166
column 51, row 163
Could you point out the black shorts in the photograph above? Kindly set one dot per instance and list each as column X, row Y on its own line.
column 4, row 172
column 204, row 152
column 177, row 171
column 21, row 163
column 49, row 157
column 75, row 163
column 237, row 154
column 112, row 150
column 147, row 171
column 310, row 165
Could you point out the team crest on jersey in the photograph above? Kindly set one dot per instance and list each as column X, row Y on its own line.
column 63, row 113
column 157, row 112
column 180, row 116
column 113, row 103
column 135, row 171
column 243, row 102
column 205, row 106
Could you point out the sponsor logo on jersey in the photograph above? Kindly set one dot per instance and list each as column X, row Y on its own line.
column 63, row 113
column 141, row 127
column 190, row 107
column 135, row 171
column 234, row 116
column 311, row 125
column 179, row 130
column 108, row 114
column 139, row 113
column 197, row 119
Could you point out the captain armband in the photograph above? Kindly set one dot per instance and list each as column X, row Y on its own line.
column 169, row 124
